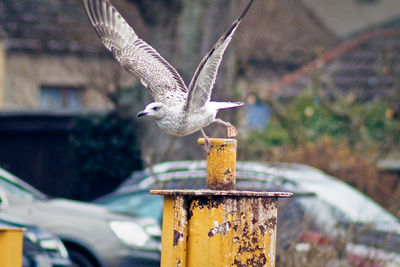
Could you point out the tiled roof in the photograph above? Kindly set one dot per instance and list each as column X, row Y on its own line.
column 282, row 32
column 276, row 30
column 56, row 25
column 347, row 17
column 366, row 65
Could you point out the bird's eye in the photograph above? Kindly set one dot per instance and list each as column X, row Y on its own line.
column 155, row 108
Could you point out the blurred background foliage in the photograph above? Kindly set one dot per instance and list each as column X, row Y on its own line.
column 372, row 123
column 345, row 138
column 106, row 148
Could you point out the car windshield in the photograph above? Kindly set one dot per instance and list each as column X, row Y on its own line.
column 332, row 197
column 141, row 204
column 352, row 204
column 17, row 190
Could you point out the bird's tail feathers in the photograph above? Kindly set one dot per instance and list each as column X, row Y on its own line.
column 223, row 105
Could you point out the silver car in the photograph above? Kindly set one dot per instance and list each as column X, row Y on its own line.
column 323, row 212
column 92, row 234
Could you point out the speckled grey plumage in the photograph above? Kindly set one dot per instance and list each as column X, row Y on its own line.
column 177, row 110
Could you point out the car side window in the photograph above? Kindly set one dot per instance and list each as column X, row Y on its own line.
column 3, row 199
column 16, row 191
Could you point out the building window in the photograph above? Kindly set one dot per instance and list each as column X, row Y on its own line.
column 60, row 97
column 258, row 114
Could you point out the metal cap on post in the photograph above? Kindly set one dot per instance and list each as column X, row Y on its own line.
column 221, row 163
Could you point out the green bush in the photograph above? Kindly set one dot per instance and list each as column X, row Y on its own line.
column 273, row 135
column 380, row 125
column 344, row 139
column 305, row 118
column 106, row 152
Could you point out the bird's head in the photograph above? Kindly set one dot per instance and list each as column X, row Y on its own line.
column 155, row 110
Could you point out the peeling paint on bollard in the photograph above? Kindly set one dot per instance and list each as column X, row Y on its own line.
column 223, row 228
column 174, row 231
column 241, row 232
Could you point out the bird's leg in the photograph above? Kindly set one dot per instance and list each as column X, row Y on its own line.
column 231, row 131
column 207, row 146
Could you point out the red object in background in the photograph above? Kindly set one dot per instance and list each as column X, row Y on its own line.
column 315, row 238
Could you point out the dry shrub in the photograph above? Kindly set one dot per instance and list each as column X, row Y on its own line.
column 313, row 257
column 301, row 244
column 353, row 164
column 333, row 254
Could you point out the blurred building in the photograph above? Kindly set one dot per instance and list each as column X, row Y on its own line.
column 352, row 44
column 347, row 18
column 366, row 67
column 51, row 58
column 53, row 68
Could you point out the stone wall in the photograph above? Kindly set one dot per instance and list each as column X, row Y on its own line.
column 26, row 72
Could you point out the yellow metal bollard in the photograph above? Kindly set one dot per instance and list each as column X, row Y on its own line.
column 11, row 247
column 219, row 227
column 221, row 163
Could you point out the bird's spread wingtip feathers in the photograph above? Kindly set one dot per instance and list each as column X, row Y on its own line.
column 245, row 10
column 134, row 54
column 208, row 70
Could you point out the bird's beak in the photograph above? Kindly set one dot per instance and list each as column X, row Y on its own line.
column 141, row 113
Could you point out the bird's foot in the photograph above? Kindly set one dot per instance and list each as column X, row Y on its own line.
column 207, row 146
column 231, row 131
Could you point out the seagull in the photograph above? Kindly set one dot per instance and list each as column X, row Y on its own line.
column 178, row 110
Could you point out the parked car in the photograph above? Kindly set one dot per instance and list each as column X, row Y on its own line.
column 93, row 235
column 322, row 210
column 40, row 247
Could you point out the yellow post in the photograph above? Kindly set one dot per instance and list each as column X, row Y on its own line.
column 11, row 247
column 174, row 231
column 2, row 73
column 219, row 227
column 221, row 163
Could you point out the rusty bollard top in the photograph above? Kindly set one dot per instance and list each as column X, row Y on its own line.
column 221, row 163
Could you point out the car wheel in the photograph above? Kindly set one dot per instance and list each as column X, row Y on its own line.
column 79, row 259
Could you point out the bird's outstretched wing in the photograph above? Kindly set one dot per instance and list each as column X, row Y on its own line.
column 203, row 80
column 135, row 55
